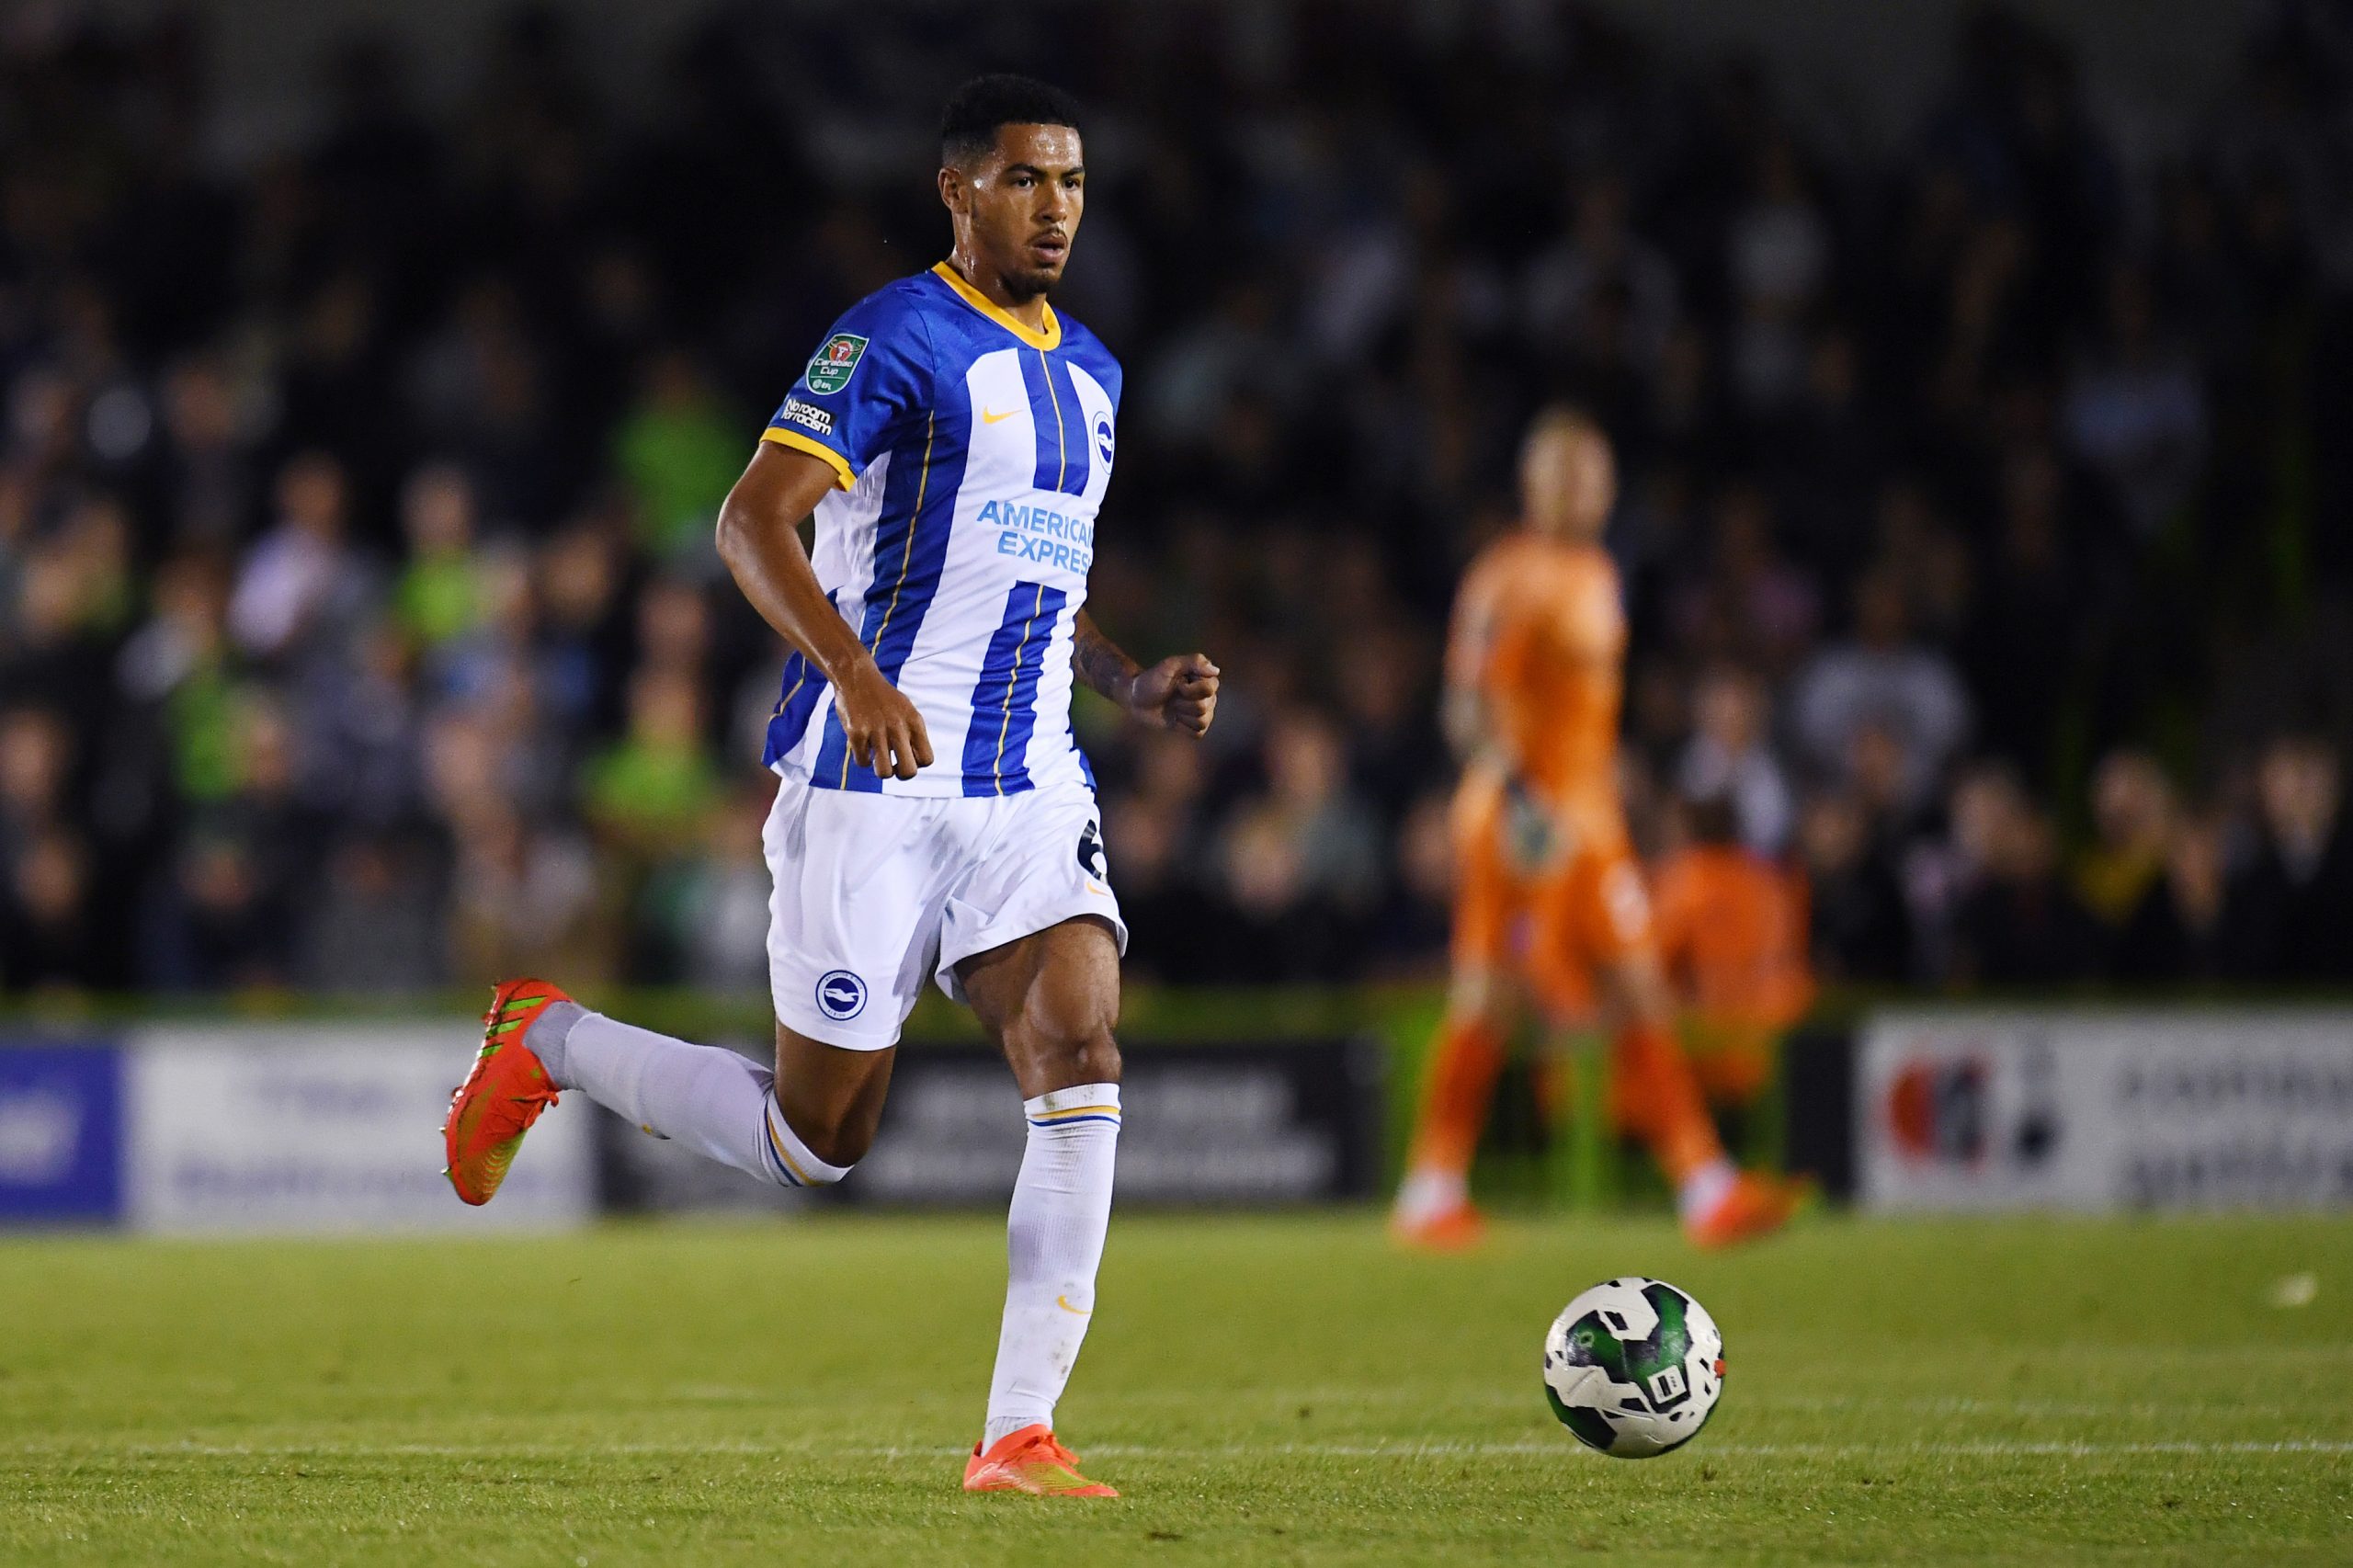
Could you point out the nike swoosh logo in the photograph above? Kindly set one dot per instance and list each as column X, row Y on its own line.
column 988, row 419
column 1063, row 1302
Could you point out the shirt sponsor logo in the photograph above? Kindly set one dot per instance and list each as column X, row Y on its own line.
column 832, row 366
column 1041, row 534
column 796, row 411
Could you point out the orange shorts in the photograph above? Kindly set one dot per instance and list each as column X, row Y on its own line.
column 1550, row 923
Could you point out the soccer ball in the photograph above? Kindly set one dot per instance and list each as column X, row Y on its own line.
column 1633, row 1366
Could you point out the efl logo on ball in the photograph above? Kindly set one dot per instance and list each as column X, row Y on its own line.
column 841, row 994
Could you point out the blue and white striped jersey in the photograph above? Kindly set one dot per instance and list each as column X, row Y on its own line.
column 972, row 452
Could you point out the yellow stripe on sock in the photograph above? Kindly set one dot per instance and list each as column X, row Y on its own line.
column 790, row 1162
column 1077, row 1110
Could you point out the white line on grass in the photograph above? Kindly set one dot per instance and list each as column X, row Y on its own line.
column 1994, row 1448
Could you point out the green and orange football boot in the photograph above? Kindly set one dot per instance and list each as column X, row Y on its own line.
column 1031, row 1460
column 502, row 1095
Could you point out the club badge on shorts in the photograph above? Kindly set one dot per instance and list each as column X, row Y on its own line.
column 841, row 996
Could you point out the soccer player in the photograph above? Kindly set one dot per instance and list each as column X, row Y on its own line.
column 1732, row 937
column 1550, row 899
column 935, row 821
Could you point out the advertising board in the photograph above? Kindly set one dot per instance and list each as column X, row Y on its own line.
column 1246, row 1125
column 60, row 1133
column 321, row 1127
column 2187, row 1108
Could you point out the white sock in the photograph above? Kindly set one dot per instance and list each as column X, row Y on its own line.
column 1704, row 1189
column 1425, row 1194
column 1061, row 1206
column 705, row 1096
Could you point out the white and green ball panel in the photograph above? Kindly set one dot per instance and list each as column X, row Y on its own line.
column 1633, row 1367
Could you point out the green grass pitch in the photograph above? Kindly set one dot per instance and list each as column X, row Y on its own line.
column 1281, row 1390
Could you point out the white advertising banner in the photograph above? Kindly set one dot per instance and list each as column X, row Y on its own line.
column 2188, row 1108
column 323, row 1128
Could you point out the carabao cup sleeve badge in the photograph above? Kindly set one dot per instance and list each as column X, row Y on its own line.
column 830, row 366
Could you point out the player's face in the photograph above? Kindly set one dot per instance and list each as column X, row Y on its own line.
column 1019, row 209
column 1568, row 481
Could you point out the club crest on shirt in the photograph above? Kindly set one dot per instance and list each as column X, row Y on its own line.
column 830, row 366
column 1103, row 437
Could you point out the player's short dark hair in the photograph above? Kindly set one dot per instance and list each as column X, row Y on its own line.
column 976, row 111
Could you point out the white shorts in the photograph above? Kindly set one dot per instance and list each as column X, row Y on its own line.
column 876, row 893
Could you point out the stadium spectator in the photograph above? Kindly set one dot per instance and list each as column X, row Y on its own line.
column 361, row 484
column 300, row 583
column 1730, row 757
column 2288, row 914
column 1860, row 929
column 2017, row 922
column 1881, row 680
column 2122, row 877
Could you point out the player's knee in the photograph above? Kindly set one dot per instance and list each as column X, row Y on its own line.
column 842, row 1141
column 1054, row 1054
column 838, row 1134
column 1061, row 1034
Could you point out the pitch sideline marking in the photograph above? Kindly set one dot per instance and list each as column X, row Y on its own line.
column 1986, row 1449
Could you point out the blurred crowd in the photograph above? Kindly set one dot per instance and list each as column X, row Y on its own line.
column 1986, row 549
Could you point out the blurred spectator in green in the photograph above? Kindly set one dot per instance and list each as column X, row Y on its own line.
column 705, row 920
column 439, row 593
column 652, row 791
column 679, row 452
column 175, row 672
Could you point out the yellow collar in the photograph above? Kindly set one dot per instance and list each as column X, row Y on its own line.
column 1049, row 339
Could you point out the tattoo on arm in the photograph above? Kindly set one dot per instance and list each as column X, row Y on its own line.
column 1098, row 662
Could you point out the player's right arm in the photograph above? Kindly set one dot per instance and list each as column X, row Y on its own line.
column 869, row 382
column 1471, row 648
column 760, row 538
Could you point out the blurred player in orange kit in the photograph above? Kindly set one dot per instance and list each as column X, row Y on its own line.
column 1548, row 892
column 1732, row 935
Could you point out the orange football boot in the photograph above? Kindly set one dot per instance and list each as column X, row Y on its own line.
column 1031, row 1460
column 1459, row 1227
column 1753, row 1206
column 502, row 1095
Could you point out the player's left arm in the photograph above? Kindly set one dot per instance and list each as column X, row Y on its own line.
column 1178, row 693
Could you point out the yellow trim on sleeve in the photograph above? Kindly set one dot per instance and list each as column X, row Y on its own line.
column 1049, row 339
column 800, row 443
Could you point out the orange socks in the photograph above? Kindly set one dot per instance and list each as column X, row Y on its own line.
column 1460, row 1080
column 1658, row 1099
